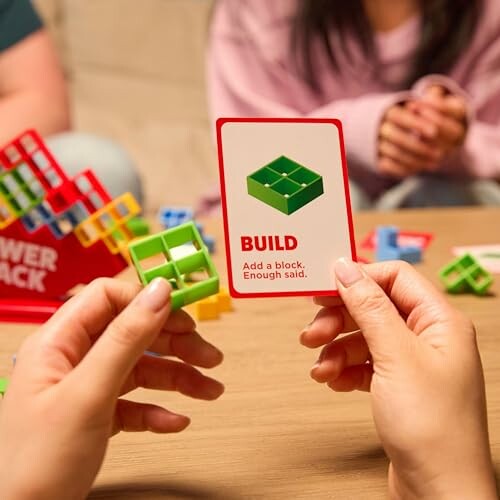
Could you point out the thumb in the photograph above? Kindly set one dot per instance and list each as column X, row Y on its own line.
column 383, row 328
column 113, row 356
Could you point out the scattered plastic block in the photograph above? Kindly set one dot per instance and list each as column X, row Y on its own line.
column 209, row 243
column 3, row 386
column 139, row 226
column 152, row 258
column 465, row 275
column 388, row 248
column 173, row 217
column 285, row 185
column 208, row 240
column 224, row 299
column 412, row 255
column 207, row 309
column 212, row 307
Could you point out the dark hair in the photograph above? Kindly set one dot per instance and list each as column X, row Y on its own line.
column 447, row 28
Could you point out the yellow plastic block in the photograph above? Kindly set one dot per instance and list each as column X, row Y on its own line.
column 212, row 307
column 7, row 216
column 224, row 299
column 109, row 224
column 207, row 309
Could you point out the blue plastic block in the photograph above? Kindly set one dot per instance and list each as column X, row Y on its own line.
column 209, row 243
column 388, row 253
column 388, row 249
column 413, row 255
column 173, row 217
column 387, row 236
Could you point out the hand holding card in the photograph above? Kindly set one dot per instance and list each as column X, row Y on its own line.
column 286, row 206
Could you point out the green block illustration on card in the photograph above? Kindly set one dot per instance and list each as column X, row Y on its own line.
column 285, row 185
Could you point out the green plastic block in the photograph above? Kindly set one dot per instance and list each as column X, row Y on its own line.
column 138, row 226
column 154, row 257
column 20, row 192
column 3, row 386
column 285, row 185
column 464, row 275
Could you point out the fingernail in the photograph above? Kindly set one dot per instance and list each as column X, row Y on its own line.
column 155, row 296
column 348, row 272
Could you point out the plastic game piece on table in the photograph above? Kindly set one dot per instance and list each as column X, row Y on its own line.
column 170, row 217
column 209, row 243
column 138, row 226
column 4, row 383
column 27, row 311
column 389, row 249
column 405, row 239
column 224, row 300
column 152, row 258
column 212, row 307
column 285, row 185
column 207, row 309
column 412, row 255
column 208, row 240
column 465, row 274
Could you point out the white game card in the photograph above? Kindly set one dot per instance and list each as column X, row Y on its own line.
column 286, row 206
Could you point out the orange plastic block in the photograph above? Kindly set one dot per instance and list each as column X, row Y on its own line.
column 109, row 224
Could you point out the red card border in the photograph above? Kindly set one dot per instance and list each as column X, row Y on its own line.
column 220, row 123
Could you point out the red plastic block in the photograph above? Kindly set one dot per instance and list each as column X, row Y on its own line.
column 29, row 148
column 85, row 187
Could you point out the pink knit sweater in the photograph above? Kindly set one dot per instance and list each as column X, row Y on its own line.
column 251, row 73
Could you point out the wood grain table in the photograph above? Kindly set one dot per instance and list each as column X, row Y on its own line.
column 275, row 434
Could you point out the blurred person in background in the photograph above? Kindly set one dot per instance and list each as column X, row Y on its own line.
column 416, row 84
column 34, row 95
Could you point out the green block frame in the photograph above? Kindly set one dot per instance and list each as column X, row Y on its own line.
column 34, row 199
column 174, row 271
column 285, row 185
column 465, row 274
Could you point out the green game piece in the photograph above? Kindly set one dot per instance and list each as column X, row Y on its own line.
column 21, row 193
column 139, row 226
column 465, row 274
column 285, row 185
column 3, row 386
column 152, row 258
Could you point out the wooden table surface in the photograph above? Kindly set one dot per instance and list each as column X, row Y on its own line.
column 275, row 434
